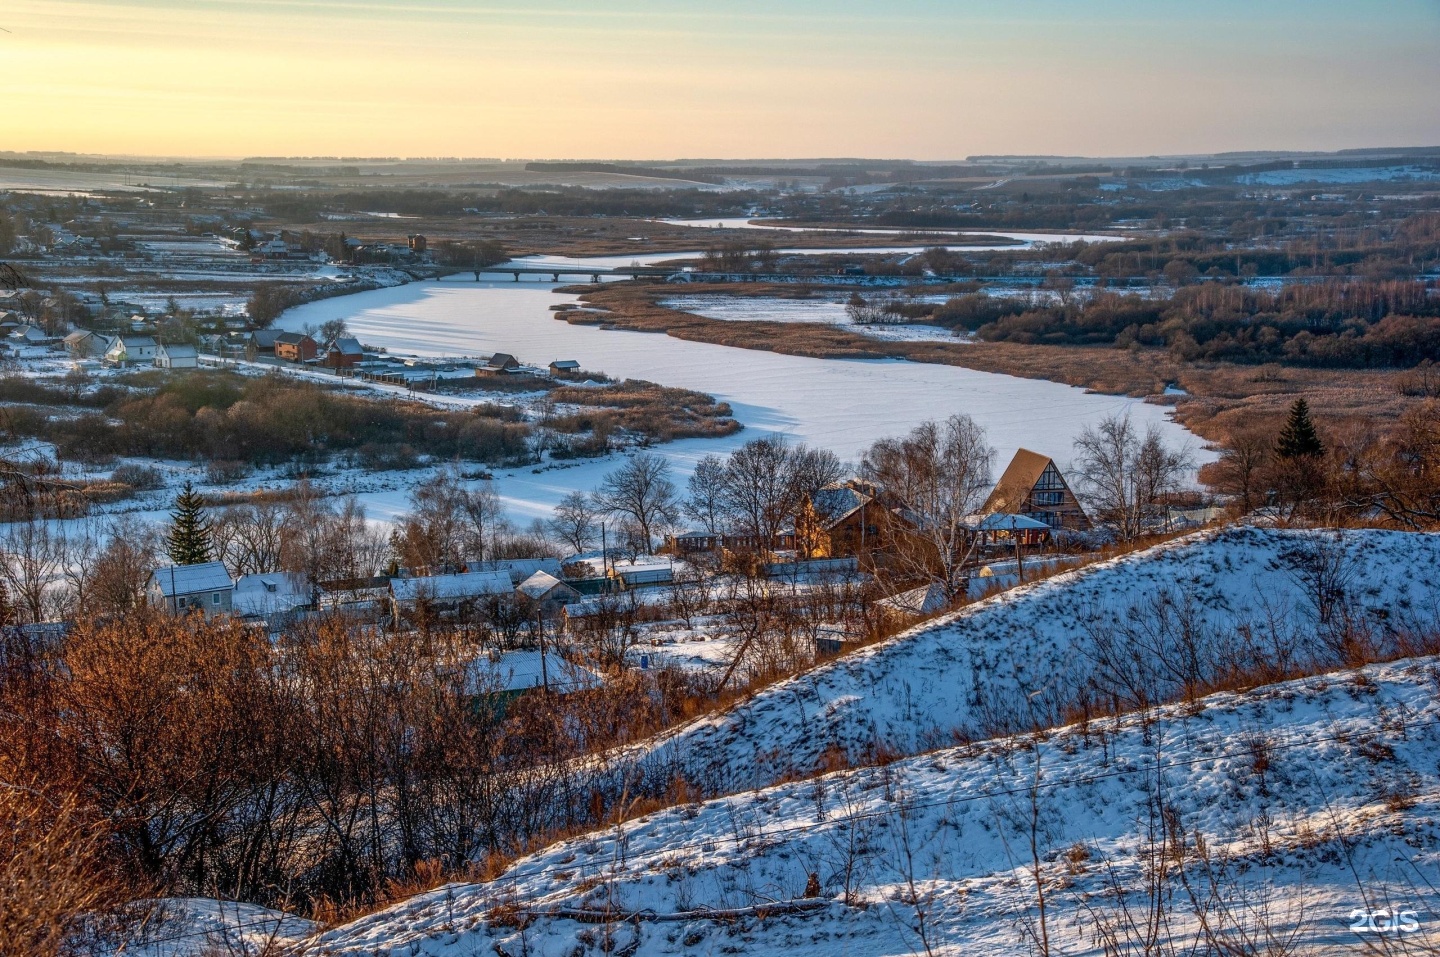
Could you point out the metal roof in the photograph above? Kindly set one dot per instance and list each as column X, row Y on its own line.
column 451, row 587
column 173, row 580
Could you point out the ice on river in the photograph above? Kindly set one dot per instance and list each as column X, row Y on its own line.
column 840, row 405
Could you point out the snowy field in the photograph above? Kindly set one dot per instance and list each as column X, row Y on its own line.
column 825, row 310
column 840, row 405
column 952, row 674
column 1341, row 176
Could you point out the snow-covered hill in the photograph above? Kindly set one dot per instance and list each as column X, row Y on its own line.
column 1010, row 661
column 1294, row 812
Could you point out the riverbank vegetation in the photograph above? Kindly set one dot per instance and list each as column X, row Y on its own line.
column 216, row 416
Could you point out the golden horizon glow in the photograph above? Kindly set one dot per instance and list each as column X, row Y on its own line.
column 924, row 79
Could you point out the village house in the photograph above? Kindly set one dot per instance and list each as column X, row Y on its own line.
column 344, row 353
column 448, row 595
column 518, row 569
column 564, row 367
column 176, row 356
column 85, row 345
column 295, row 347
column 261, row 343
column 499, row 678
column 1033, row 485
column 545, row 594
column 274, row 598
column 32, row 335
column 500, row 363
column 131, row 350
column 181, row 589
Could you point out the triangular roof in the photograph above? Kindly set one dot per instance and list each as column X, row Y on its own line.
column 292, row 338
column 540, row 584
column 1020, row 477
column 347, row 345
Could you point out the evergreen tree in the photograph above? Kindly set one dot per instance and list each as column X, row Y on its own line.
column 189, row 538
column 1298, row 438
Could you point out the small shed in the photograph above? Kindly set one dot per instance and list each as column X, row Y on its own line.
column 565, row 367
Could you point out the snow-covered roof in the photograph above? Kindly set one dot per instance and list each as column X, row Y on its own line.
column 565, row 364
column 518, row 569
column 521, row 670
column 347, row 346
column 450, row 587
column 270, row 592
column 179, row 351
column 539, row 584
column 175, row 580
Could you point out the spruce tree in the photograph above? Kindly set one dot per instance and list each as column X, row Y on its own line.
column 1298, row 438
column 189, row 539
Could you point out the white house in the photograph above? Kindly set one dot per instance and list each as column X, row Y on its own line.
column 183, row 588
column 176, row 356
column 131, row 350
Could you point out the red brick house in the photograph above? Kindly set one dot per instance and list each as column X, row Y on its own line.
column 295, row 347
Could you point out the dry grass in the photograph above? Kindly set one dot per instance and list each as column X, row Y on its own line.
column 1222, row 396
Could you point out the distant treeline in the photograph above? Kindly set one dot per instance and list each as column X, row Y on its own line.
column 1345, row 324
column 625, row 170
column 554, row 201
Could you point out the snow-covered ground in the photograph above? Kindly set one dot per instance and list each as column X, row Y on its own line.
column 989, row 661
column 1294, row 811
column 1340, row 176
column 202, row 927
column 825, row 310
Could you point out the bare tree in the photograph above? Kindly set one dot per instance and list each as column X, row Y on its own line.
column 939, row 474
column 1125, row 475
column 575, row 522
column 705, row 500
column 641, row 491
column 31, row 556
column 764, row 483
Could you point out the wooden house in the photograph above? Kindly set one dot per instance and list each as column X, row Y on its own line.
column 295, row 347
column 344, row 353
column 565, row 367
column 499, row 364
column 261, row 343
column 1034, row 486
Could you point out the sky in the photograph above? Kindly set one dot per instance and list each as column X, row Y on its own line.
column 659, row 79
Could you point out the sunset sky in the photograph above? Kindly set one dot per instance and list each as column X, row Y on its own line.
column 925, row 79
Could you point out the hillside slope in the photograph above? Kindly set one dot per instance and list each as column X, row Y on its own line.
column 1014, row 661
column 1276, row 814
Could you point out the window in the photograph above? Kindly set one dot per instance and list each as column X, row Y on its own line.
column 215, row 598
column 1049, row 498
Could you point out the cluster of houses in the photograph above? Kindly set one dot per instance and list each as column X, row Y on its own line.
column 345, row 356
column 530, row 587
column 852, row 519
column 128, row 349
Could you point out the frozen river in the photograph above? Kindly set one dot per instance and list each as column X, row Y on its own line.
column 840, row 405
